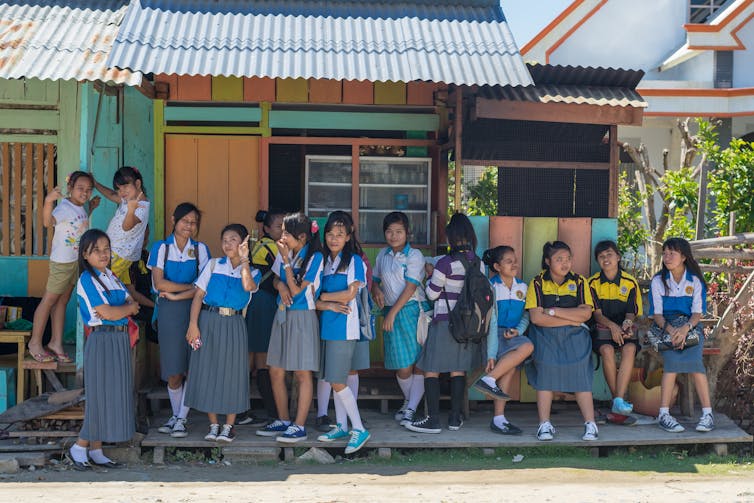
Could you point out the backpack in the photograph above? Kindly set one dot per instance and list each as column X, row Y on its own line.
column 364, row 303
column 470, row 318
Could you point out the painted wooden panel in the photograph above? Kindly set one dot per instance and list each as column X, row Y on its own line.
column 194, row 88
column 537, row 231
column 227, row 88
column 358, row 92
column 602, row 228
column 482, row 229
column 212, row 176
column 38, row 270
column 21, row 118
column 213, row 114
column 258, row 89
column 353, row 120
column 243, row 171
column 138, row 145
column 325, row 91
column 68, row 155
column 172, row 81
column 14, row 272
column 30, row 91
column 577, row 233
column 292, row 90
column 420, row 93
column 509, row 231
column 105, row 163
column 527, row 393
column 389, row 93
column 181, row 182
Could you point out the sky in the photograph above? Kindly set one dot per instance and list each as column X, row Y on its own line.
column 527, row 17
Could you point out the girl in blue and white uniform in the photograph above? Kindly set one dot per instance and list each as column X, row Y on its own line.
column 219, row 367
column 105, row 305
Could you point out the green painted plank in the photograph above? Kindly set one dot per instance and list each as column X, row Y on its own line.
column 29, row 91
column 28, row 138
column 159, row 170
column 213, row 114
column 482, row 229
column 537, row 231
column 138, row 142
column 15, row 274
column 602, row 228
column 354, row 120
column 69, row 153
column 29, row 119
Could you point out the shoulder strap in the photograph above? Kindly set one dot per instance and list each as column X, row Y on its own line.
column 165, row 256
column 196, row 256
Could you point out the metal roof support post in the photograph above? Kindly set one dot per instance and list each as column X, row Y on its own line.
column 458, row 128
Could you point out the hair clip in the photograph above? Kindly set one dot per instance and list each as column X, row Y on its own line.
column 68, row 178
column 135, row 169
column 315, row 227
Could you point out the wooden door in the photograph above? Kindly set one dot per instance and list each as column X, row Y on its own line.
column 220, row 174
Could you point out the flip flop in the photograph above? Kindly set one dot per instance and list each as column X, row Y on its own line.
column 43, row 357
column 61, row 357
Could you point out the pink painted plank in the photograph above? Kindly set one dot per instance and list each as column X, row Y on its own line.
column 508, row 231
column 577, row 232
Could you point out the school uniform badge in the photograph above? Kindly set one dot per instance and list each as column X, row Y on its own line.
column 572, row 287
column 191, row 253
column 519, row 294
column 689, row 290
column 623, row 290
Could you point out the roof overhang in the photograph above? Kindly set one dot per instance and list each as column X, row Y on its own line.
column 687, row 102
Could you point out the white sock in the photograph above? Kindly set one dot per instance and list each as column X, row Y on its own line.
column 499, row 420
column 706, row 410
column 99, row 457
column 341, row 415
column 183, row 412
column 664, row 410
column 405, row 385
column 490, row 381
column 78, row 453
column 349, row 402
column 352, row 381
column 323, row 397
column 417, row 391
column 176, row 399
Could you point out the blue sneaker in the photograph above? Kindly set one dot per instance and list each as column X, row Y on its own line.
column 335, row 434
column 357, row 441
column 620, row 406
column 294, row 433
column 273, row 429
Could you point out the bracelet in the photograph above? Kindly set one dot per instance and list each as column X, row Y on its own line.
column 286, row 266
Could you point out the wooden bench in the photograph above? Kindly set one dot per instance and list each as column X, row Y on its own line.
column 20, row 338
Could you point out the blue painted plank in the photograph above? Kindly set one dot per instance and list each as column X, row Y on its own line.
column 354, row 120
column 15, row 274
column 214, row 114
column 482, row 229
column 602, row 228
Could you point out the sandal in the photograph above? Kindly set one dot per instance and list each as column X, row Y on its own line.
column 43, row 357
column 61, row 357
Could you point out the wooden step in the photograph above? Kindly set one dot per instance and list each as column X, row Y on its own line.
column 32, row 364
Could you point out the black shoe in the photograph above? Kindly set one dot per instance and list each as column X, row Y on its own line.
column 455, row 421
column 324, row 423
column 247, row 418
column 427, row 424
column 110, row 464
column 493, row 391
column 79, row 466
column 507, row 428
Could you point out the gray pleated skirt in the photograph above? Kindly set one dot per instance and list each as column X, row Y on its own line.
column 108, row 382
column 218, row 379
column 441, row 352
column 687, row 361
column 294, row 343
column 505, row 345
column 562, row 359
column 259, row 317
column 172, row 325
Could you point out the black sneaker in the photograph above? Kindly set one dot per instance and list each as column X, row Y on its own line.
column 506, row 429
column 248, row 418
column 493, row 391
column 324, row 423
column 427, row 424
column 455, row 421
column 227, row 434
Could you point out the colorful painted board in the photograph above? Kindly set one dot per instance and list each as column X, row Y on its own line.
column 577, row 233
column 508, row 231
column 537, row 231
column 602, row 228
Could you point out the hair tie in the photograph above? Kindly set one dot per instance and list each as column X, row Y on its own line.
column 135, row 169
column 315, row 227
column 68, row 178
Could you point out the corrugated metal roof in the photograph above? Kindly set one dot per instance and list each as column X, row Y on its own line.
column 387, row 41
column 48, row 39
column 585, row 75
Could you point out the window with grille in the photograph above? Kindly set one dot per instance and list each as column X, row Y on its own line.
column 27, row 173
column 700, row 11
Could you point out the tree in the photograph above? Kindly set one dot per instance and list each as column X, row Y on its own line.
column 482, row 200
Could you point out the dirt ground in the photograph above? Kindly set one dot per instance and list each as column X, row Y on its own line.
column 366, row 483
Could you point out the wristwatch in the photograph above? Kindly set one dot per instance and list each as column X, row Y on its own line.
column 691, row 327
column 551, row 311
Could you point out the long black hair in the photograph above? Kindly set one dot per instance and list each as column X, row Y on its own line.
column 184, row 209
column 267, row 218
column 494, row 255
column 86, row 244
column 341, row 218
column 126, row 175
column 460, row 234
column 684, row 248
column 550, row 249
column 297, row 224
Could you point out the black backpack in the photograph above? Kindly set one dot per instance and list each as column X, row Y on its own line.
column 470, row 318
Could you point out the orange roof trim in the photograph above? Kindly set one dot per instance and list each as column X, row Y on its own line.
column 547, row 29
column 698, row 92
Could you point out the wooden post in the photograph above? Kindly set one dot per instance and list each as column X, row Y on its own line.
column 458, row 119
column 731, row 232
column 612, row 199
column 702, row 201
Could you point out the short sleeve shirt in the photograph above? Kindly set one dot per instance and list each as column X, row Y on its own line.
column 127, row 244
column 224, row 285
column 510, row 301
column 338, row 326
column 307, row 298
column 544, row 292
column 686, row 297
column 71, row 221
column 616, row 297
column 393, row 270
column 179, row 266
column 92, row 293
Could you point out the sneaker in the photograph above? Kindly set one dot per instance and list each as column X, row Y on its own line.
column 293, row 434
column 590, row 431
column 427, row 424
column 227, row 434
column 706, row 423
column 167, row 427
column 273, row 429
column 455, row 421
column 247, row 418
column 324, row 423
column 179, row 428
column 622, row 407
column 545, row 431
column 211, row 435
column 335, row 434
column 505, row 429
column 357, row 441
column 408, row 416
column 669, row 424
column 399, row 415
column 493, row 391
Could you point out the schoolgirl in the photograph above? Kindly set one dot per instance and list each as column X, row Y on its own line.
column 70, row 219
column 126, row 228
column 559, row 303
column 344, row 275
column 218, row 380
column 617, row 303
column 507, row 346
column 105, row 306
column 261, row 312
column 175, row 263
column 441, row 352
column 677, row 300
column 294, row 342
column 397, row 290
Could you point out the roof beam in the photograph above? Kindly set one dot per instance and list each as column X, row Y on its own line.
column 557, row 112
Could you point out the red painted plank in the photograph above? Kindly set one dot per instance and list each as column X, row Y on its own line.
column 577, row 232
column 420, row 93
column 194, row 88
column 258, row 89
column 508, row 231
column 172, row 81
column 358, row 92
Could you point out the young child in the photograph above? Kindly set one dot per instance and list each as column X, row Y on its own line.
column 218, row 380
column 294, row 342
column 261, row 313
column 175, row 263
column 126, row 228
column 441, row 352
column 397, row 290
column 70, row 219
column 677, row 300
column 105, row 306
column 617, row 302
column 507, row 346
column 560, row 303
column 343, row 277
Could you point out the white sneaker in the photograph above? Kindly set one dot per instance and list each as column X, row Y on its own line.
column 706, row 423
column 399, row 415
column 179, row 428
column 167, row 427
column 590, row 431
column 546, row 431
column 408, row 416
